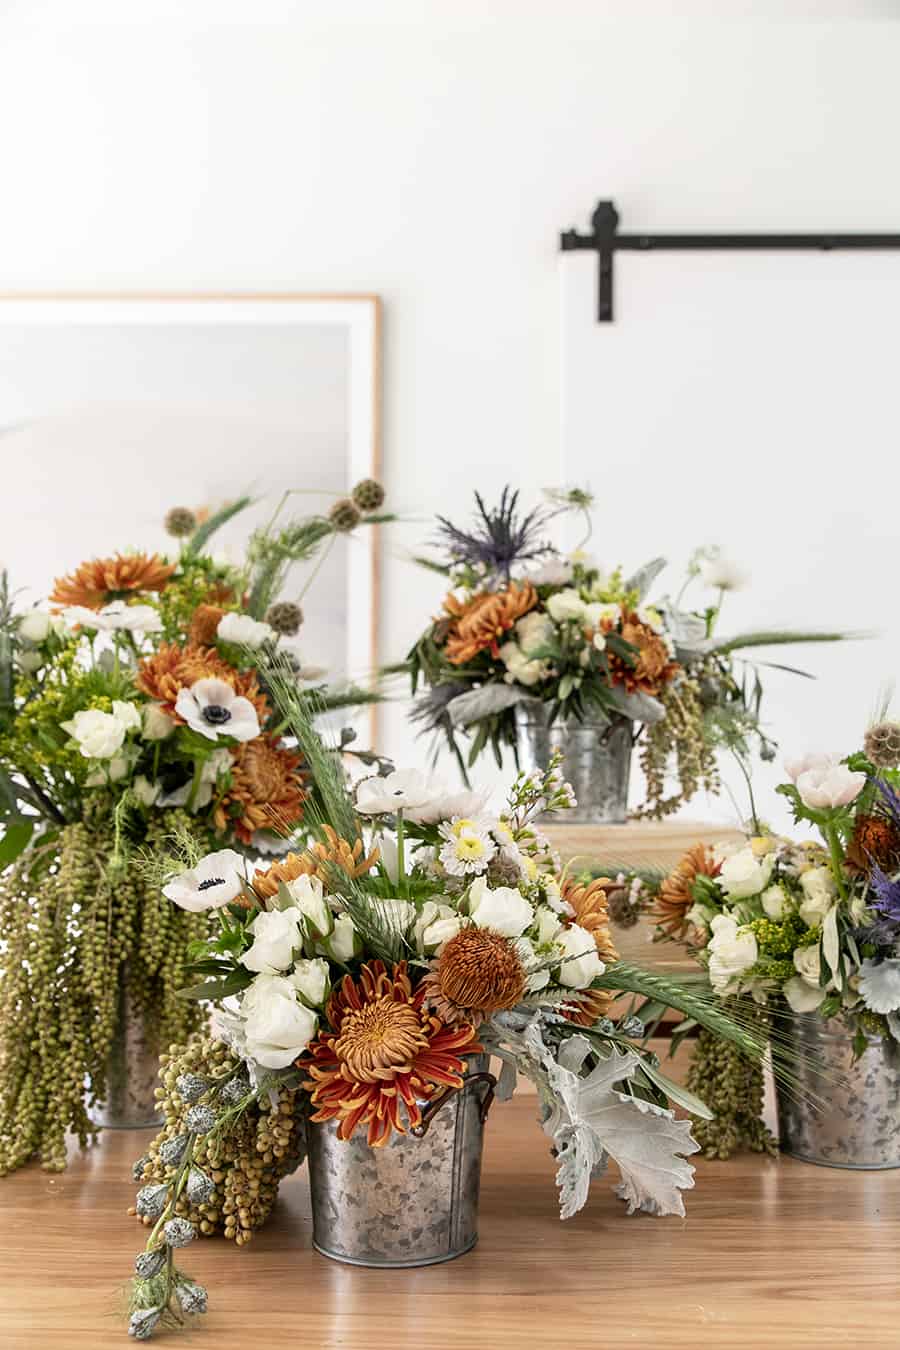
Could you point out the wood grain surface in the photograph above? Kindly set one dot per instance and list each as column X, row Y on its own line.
column 772, row 1254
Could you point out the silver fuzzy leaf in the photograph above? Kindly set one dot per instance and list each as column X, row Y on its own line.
column 644, row 577
column 639, row 707
column 485, row 702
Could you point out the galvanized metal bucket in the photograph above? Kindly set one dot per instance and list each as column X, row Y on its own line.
column 856, row 1121
column 596, row 760
column 413, row 1202
column 132, row 1071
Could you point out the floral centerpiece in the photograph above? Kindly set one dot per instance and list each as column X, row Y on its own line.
column 130, row 711
column 809, row 931
column 534, row 649
column 366, row 974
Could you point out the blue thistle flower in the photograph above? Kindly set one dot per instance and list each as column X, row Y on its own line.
column 887, row 894
column 499, row 537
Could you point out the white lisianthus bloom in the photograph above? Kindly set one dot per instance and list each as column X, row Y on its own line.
column 812, row 760
column 774, row 902
column 212, row 708
column 723, row 574
column 830, row 787
column 521, row 669
column 145, row 791
column 215, row 881
column 743, row 874
column 36, row 625
column 157, row 723
column 277, row 1026
column 503, row 909
column 276, row 936
column 819, row 894
column 583, row 964
column 343, row 944
column 566, row 605
column 801, row 996
column 127, row 713
column 99, row 734
column 312, row 980
column 431, row 913
column 548, row 925
column 732, row 951
column 397, row 791
column 308, row 896
column 534, row 631
column 243, row 630
column 441, row 931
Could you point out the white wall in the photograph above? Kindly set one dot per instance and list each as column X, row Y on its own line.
column 432, row 152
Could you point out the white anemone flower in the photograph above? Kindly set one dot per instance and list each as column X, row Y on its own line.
column 243, row 630
column 215, row 881
column 113, row 618
column 212, row 708
column 402, row 790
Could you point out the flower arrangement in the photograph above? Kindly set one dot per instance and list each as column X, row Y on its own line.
column 527, row 627
column 363, row 972
column 814, row 925
column 130, row 711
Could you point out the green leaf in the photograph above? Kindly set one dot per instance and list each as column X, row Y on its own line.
column 676, row 1093
column 779, row 638
column 217, row 989
column 202, row 536
column 15, row 841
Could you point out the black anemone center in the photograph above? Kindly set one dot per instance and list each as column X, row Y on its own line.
column 215, row 714
column 211, row 881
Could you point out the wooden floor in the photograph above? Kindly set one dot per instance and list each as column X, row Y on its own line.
column 774, row 1254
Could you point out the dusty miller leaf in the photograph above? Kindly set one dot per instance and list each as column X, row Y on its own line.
column 485, row 702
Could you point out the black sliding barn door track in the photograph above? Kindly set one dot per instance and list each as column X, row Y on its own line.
column 605, row 240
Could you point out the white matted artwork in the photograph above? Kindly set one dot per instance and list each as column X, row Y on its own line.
column 114, row 409
column 748, row 400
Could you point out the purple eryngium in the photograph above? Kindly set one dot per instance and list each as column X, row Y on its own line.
column 887, row 894
column 891, row 799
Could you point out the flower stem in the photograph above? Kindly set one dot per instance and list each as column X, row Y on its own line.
column 401, row 861
column 837, row 857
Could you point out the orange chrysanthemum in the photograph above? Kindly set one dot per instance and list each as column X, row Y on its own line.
column 172, row 668
column 676, row 894
column 266, row 791
column 653, row 666
column 478, row 624
column 477, row 973
column 204, row 624
column 318, row 860
column 384, row 1048
column 96, row 583
column 591, row 906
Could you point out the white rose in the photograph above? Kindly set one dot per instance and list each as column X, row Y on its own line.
column 99, row 734
column 157, row 723
column 819, row 894
column 127, row 713
column 243, row 630
column 808, row 963
column 584, row 964
column 535, row 630
column 774, row 902
column 503, row 909
column 145, row 791
column 29, row 660
column 431, row 913
column 344, row 943
column 308, row 896
column 732, row 951
column 397, row 914
column 276, row 936
column 110, row 771
column 312, row 981
column 565, row 605
column 36, row 625
column 521, row 667
column 277, row 1026
column 743, row 874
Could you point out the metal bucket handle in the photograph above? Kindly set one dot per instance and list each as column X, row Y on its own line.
column 431, row 1110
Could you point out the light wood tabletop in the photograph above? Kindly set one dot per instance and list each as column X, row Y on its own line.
column 772, row 1254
